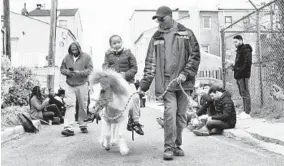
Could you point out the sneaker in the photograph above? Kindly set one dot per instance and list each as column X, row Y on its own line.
column 168, row 154
column 201, row 133
column 190, row 127
column 67, row 132
column 92, row 117
column 137, row 127
column 84, row 130
column 215, row 131
column 178, row 152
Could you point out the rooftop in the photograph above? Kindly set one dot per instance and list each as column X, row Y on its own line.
column 45, row 12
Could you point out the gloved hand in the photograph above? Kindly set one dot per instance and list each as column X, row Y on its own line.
column 181, row 78
column 97, row 117
column 91, row 117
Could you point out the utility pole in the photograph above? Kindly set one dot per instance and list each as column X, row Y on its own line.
column 6, row 8
column 224, row 71
column 52, row 46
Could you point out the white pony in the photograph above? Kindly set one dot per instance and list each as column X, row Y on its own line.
column 113, row 95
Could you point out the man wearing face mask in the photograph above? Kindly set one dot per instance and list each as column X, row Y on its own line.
column 173, row 53
column 76, row 66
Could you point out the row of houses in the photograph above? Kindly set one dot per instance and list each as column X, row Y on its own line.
column 206, row 25
column 30, row 39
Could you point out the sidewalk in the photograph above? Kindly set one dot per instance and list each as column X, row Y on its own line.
column 257, row 132
column 13, row 132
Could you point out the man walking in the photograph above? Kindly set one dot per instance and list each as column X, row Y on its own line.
column 173, row 53
column 242, row 71
column 76, row 66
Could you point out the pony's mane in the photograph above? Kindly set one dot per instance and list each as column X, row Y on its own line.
column 110, row 79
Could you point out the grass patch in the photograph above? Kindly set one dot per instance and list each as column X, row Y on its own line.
column 9, row 116
column 272, row 110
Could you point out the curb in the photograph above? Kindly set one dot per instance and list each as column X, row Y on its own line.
column 13, row 132
column 255, row 140
column 267, row 139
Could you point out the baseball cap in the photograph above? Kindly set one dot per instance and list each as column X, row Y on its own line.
column 162, row 12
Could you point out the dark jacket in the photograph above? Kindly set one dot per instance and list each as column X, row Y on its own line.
column 123, row 61
column 207, row 106
column 243, row 61
column 225, row 110
column 185, row 60
column 83, row 64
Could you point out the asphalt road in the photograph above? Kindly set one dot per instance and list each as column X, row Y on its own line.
column 49, row 148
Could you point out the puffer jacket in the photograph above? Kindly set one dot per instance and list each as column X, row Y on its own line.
column 243, row 61
column 225, row 110
column 185, row 60
column 123, row 61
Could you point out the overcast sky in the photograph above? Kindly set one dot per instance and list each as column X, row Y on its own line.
column 101, row 19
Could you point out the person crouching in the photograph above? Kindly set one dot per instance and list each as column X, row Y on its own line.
column 224, row 116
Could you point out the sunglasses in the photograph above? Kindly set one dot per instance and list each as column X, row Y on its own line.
column 160, row 19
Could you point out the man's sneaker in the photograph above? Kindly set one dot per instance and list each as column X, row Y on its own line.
column 67, row 132
column 201, row 133
column 215, row 131
column 168, row 154
column 178, row 152
column 84, row 130
column 137, row 127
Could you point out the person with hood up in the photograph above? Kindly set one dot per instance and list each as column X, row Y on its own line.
column 224, row 115
column 76, row 66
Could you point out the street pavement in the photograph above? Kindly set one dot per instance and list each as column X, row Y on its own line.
column 49, row 148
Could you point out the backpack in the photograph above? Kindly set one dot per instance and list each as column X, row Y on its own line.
column 27, row 123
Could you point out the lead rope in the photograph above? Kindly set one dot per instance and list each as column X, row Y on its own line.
column 160, row 97
column 121, row 113
column 182, row 89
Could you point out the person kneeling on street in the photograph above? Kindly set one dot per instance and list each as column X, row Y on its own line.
column 38, row 105
column 224, row 116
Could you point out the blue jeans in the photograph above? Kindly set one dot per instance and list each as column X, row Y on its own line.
column 175, row 117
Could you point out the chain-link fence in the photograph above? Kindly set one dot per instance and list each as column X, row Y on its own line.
column 263, row 29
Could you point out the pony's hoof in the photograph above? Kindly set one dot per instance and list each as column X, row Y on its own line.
column 107, row 147
column 124, row 151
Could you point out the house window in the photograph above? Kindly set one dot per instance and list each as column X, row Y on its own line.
column 228, row 20
column 63, row 23
column 205, row 48
column 206, row 22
